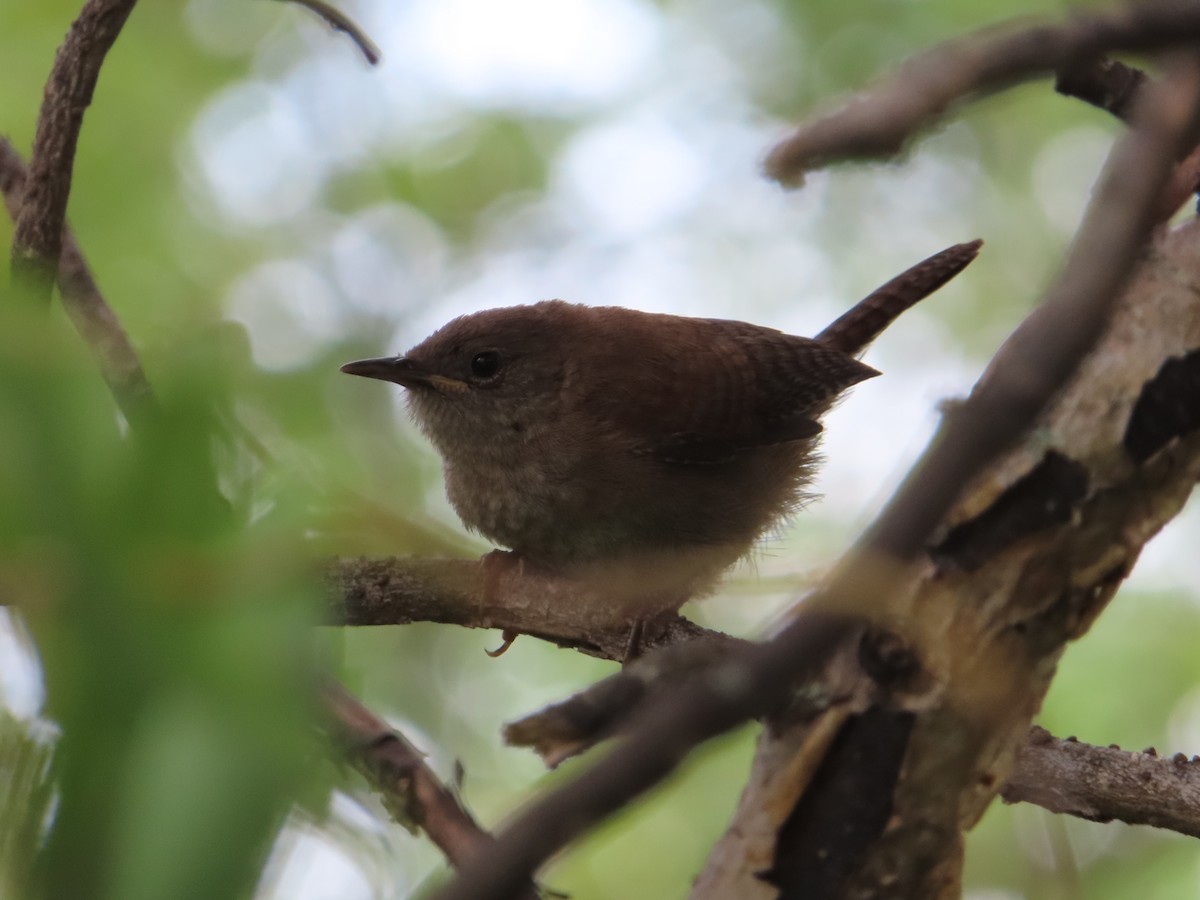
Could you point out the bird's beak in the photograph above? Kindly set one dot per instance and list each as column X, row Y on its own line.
column 403, row 371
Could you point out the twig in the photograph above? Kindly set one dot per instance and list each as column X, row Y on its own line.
column 1106, row 783
column 339, row 21
column 574, row 725
column 37, row 242
column 1104, row 83
column 600, row 711
column 878, row 122
column 91, row 315
column 1115, row 87
column 1015, row 389
column 410, row 791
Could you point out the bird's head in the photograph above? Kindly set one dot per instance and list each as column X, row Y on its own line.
column 485, row 379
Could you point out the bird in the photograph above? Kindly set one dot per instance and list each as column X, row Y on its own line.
column 639, row 453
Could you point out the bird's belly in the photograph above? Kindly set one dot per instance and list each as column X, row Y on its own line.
column 548, row 516
column 508, row 504
column 594, row 512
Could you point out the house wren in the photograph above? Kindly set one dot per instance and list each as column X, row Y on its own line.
column 643, row 453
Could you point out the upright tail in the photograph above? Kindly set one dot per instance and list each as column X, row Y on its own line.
column 854, row 330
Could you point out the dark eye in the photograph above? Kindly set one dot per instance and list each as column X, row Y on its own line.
column 485, row 364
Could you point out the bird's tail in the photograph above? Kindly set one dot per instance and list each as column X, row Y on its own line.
column 855, row 329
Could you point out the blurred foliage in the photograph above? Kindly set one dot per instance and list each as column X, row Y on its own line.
column 165, row 578
column 25, row 799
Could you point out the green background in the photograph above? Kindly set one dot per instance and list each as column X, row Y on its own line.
column 174, row 629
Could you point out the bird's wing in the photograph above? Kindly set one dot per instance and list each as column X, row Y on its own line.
column 721, row 389
column 693, row 449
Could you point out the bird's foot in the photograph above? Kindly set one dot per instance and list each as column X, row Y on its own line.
column 497, row 565
column 633, row 644
column 508, row 637
column 644, row 633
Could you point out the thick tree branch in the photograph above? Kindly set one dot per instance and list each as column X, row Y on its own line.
column 1107, row 783
column 879, row 122
column 1036, row 548
column 1027, row 372
column 1047, row 347
column 1106, row 84
column 660, row 737
column 37, row 242
column 1114, row 87
column 93, row 318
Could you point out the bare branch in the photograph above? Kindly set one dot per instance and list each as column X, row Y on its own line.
column 1104, row 83
column 37, row 242
column 1106, row 783
column 339, row 21
column 396, row 591
column 1062, row 776
column 878, row 122
column 568, row 728
column 1114, row 87
column 660, row 737
column 410, row 791
column 93, row 318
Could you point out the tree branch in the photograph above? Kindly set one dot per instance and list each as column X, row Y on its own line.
column 879, row 122
column 37, row 242
column 396, row 591
column 577, row 724
column 1104, row 83
column 1038, row 545
column 411, row 792
column 1114, row 87
column 1046, row 348
column 1062, row 776
column 1106, row 783
column 1027, row 372
column 92, row 317
column 339, row 21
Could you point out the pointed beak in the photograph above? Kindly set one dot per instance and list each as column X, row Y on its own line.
column 397, row 369
column 405, row 372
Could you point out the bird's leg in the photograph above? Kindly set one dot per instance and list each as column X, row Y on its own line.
column 644, row 632
column 496, row 565
column 633, row 645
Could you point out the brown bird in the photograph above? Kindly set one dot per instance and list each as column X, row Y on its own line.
column 641, row 453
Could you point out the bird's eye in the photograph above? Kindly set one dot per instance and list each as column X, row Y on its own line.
column 486, row 364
